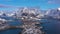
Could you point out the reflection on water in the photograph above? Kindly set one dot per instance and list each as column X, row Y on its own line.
column 50, row 26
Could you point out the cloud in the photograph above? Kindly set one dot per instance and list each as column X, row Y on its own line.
column 7, row 6
column 7, row 0
column 53, row 1
column 49, row 2
column 4, row 6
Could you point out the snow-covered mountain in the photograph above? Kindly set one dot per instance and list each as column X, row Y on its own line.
column 10, row 15
column 55, row 13
column 1, row 13
column 5, row 14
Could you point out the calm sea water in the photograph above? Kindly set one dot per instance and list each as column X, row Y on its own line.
column 50, row 26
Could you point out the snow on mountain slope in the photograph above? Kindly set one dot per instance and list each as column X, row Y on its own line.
column 55, row 13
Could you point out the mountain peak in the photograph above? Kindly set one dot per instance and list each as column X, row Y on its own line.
column 59, row 9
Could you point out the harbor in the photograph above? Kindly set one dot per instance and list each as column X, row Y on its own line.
column 28, row 21
column 29, row 27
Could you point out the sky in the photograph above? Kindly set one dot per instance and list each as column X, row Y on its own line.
column 43, row 4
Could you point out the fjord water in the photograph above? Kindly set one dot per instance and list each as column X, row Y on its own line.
column 50, row 26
